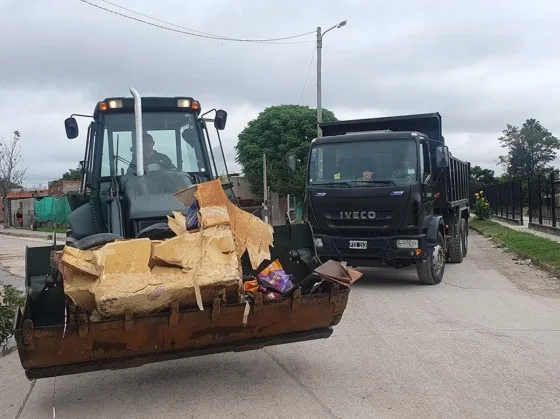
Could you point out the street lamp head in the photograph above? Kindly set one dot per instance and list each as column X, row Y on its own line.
column 341, row 24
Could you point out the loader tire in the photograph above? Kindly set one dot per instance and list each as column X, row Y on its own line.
column 430, row 271
column 70, row 238
column 96, row 240
column 158, row 231
column 465, row 226
column 456, row 244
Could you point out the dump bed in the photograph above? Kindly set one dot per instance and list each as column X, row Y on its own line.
column 49, row 345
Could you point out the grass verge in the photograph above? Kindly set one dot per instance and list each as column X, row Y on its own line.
column 544, row 252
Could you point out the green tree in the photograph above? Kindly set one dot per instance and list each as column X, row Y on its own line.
column 481, row 177
column 278, row 131
column 72, row 174
column 530, row 148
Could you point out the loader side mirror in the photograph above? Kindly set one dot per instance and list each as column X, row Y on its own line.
column 71, row 126
column 292, row 164
column 442, row 156
column 220, row 119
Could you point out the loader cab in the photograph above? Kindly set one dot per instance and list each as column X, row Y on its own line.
column 118, row 198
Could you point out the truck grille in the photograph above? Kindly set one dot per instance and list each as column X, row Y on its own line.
column 382, row 220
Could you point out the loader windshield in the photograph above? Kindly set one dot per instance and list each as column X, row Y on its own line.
column 171, row 141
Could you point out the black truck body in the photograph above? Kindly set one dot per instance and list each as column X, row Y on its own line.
column 367, row 210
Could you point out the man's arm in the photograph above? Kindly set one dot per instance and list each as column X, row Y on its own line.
column 167, row 162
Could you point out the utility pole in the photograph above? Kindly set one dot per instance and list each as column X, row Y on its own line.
column 265, row 192
column 320, row 36
column 319, row 99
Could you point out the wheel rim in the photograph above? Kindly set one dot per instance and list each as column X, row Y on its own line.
column 438, row 259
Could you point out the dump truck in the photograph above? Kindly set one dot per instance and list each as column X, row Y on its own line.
column 141, row 152
column 387, row 192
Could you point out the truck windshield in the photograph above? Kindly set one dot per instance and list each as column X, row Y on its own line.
column 364, row 163
column 171, row 141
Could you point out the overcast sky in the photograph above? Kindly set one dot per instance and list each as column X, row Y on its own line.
column 481, row 64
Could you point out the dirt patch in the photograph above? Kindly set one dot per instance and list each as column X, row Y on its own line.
column 525, row 276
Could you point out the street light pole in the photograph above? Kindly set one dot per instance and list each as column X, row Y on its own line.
column 319, row 98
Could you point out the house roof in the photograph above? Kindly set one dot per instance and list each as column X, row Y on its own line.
column 71, row 182
column 24, row 194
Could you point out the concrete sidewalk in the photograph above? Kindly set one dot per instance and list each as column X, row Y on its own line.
column 17, row 232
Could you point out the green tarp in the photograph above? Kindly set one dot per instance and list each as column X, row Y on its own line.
column 52, row 209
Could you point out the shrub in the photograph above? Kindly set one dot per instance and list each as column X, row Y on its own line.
column 482, row 207
column 10, row 300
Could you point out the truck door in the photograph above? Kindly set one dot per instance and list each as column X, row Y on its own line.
column 427, row 179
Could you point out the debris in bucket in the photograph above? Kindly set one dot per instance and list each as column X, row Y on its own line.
column 274, row 276
column 338, row 272
column 202, row 262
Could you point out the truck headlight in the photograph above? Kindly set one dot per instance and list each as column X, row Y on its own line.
column 407, row 244
column 318, row 243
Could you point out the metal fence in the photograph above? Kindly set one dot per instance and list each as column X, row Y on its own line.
column 543, row 192
column 506, row 199
column 536, row 198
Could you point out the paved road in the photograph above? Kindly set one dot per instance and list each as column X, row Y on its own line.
column 484, row 344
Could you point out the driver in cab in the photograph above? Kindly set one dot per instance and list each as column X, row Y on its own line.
column 153, row 160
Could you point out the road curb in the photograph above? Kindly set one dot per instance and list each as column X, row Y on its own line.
column 48, row 236
column 544, row 266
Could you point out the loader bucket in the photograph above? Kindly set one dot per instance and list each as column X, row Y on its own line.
column 48, row 347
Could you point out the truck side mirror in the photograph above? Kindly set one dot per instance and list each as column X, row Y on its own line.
column 292, row 163
column 71, row 126
column 220, row 119
column 442, row 156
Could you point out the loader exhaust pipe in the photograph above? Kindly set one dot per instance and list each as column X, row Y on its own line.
column 138, row 123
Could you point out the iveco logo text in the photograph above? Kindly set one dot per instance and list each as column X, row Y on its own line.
column 362, row 215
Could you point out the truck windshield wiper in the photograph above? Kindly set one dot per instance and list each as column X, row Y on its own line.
column 345, row 183
column 374, row 181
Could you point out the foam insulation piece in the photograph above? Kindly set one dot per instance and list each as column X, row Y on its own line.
column 77, row 287
column 211, row 259
column 177, row 223
column 81, row 260
column 186, row 196
column 127, row 257
column 250, row 233
column 206, row 266
column 214, row 216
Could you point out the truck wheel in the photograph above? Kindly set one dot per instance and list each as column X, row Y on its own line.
column 430, row 271
column 456, row 244
column 465, row 228
column 96, row 240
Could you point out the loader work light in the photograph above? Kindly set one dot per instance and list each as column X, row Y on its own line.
column 184, row 103
column 115, row 104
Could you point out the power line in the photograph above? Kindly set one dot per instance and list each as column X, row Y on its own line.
column 192, row 32
column 307, row 77
column 206, row 33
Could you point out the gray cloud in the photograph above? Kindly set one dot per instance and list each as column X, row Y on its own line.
column 480, row 64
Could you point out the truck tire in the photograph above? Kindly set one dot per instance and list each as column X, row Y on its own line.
column 456, row 244
column 465, row 227
column 96, row 240
column 430, row 271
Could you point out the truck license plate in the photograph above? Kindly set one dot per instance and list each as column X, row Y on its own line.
column 358, row 244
